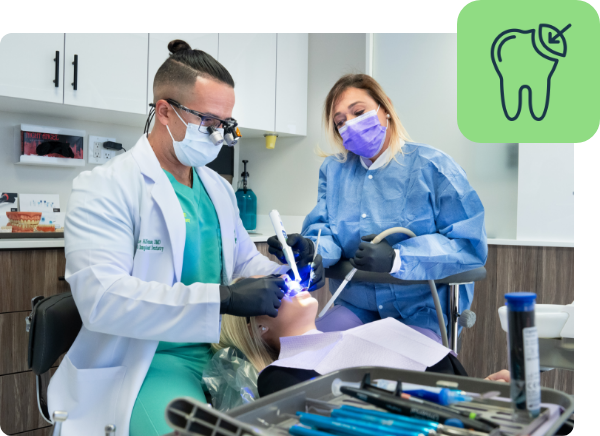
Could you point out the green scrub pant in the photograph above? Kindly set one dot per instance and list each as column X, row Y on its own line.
column 174, row 372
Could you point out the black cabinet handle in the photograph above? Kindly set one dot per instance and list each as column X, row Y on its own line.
column 75, row 74
column 61, row 278
column 56, row 64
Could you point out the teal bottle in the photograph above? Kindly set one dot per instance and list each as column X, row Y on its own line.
column 246, row 200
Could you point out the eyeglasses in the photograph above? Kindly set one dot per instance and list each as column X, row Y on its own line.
column 206, row 120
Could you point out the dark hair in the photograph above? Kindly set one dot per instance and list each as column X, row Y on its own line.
column 184, row 65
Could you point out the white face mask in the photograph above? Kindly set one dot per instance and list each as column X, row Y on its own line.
column 196, row 149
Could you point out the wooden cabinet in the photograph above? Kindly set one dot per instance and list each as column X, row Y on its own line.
column 291, row 93
column 32, row 273
column 158, row 51
column 29, row 66
column 18, row 402
column 251, row 58
column 27, row 273
column 115, row 72
column 111, row 71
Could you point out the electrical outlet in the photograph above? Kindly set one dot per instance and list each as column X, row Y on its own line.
column 97, row 154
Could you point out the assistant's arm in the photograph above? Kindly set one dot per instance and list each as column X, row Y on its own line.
column 318, row 219
column 100, row 245
column 460, row 244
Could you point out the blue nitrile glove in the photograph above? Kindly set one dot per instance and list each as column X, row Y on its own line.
column 318, row 274
column 374, row 257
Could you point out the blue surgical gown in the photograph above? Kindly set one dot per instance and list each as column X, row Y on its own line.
column 423, row 190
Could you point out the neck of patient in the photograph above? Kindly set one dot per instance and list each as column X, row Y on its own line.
column 294, row 330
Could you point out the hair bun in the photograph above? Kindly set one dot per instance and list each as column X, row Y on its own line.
column 178, row 45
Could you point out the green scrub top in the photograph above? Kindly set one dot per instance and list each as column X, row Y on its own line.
column 176, row 369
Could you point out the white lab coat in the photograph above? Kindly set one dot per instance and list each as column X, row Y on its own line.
column 124, row 242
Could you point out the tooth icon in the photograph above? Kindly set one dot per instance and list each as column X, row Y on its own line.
column 525, row 65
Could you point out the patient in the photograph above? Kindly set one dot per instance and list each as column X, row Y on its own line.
column 258, row 338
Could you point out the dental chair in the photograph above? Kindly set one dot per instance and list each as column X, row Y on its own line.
column 53, row 325
column 465, row 319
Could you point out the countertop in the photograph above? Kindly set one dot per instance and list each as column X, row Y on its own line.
column 264, row 230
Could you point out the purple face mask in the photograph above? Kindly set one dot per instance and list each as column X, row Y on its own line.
column 364, row 135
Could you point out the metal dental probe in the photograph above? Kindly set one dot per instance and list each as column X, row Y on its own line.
column 314, row 257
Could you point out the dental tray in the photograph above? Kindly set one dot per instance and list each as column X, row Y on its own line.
column 275, row 414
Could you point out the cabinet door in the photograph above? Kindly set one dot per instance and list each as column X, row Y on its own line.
column 292, row 83
column 29, row 66
column 112, row 71
column 251, row 60
column 158, row 51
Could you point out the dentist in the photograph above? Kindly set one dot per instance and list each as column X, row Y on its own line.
column 153, row 240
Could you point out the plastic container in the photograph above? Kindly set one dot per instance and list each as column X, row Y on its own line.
column 246, row 201
column 523, row 355
column 550, row 319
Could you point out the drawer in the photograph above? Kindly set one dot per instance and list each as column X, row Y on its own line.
column 14, row 340
column 18, row 402
column 29, row 273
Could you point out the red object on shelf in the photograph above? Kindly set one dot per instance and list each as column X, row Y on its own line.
column 23, row 222
column 30, row 141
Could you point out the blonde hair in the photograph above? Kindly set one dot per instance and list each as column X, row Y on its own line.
column 374, row 89
column 236, row 332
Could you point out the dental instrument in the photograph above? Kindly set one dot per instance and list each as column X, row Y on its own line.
column 417, row 408
column 434, row 294
column 443, row 396
column 314, row 257
column 349, row 276
column 282, row 236
column 350, row 427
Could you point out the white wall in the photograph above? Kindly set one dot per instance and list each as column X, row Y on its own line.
column 42, row 180
column 286, row 178
column 418, row 72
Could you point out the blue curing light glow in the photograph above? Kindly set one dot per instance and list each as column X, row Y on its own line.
column 293, row 286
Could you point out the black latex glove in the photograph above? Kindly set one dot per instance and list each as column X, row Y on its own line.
column 318, row 280
column 253, row 297
column 374, row 257
column 303, row 249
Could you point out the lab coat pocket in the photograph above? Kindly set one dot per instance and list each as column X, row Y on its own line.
column 95, row 389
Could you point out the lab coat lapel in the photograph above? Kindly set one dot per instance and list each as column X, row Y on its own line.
column 226, row 214
column 164, row 195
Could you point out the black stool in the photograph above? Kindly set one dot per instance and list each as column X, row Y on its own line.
column 343, row 267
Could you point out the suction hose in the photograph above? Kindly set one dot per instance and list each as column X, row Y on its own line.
column 434, row 294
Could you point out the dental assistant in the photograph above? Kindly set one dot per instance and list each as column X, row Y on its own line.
column 378, row 179
column 153, row 240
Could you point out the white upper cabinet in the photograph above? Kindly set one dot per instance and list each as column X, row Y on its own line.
column 251, row 60
column 292, row 83
column 29, row 66
column 111, row 71
column 158, row 50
